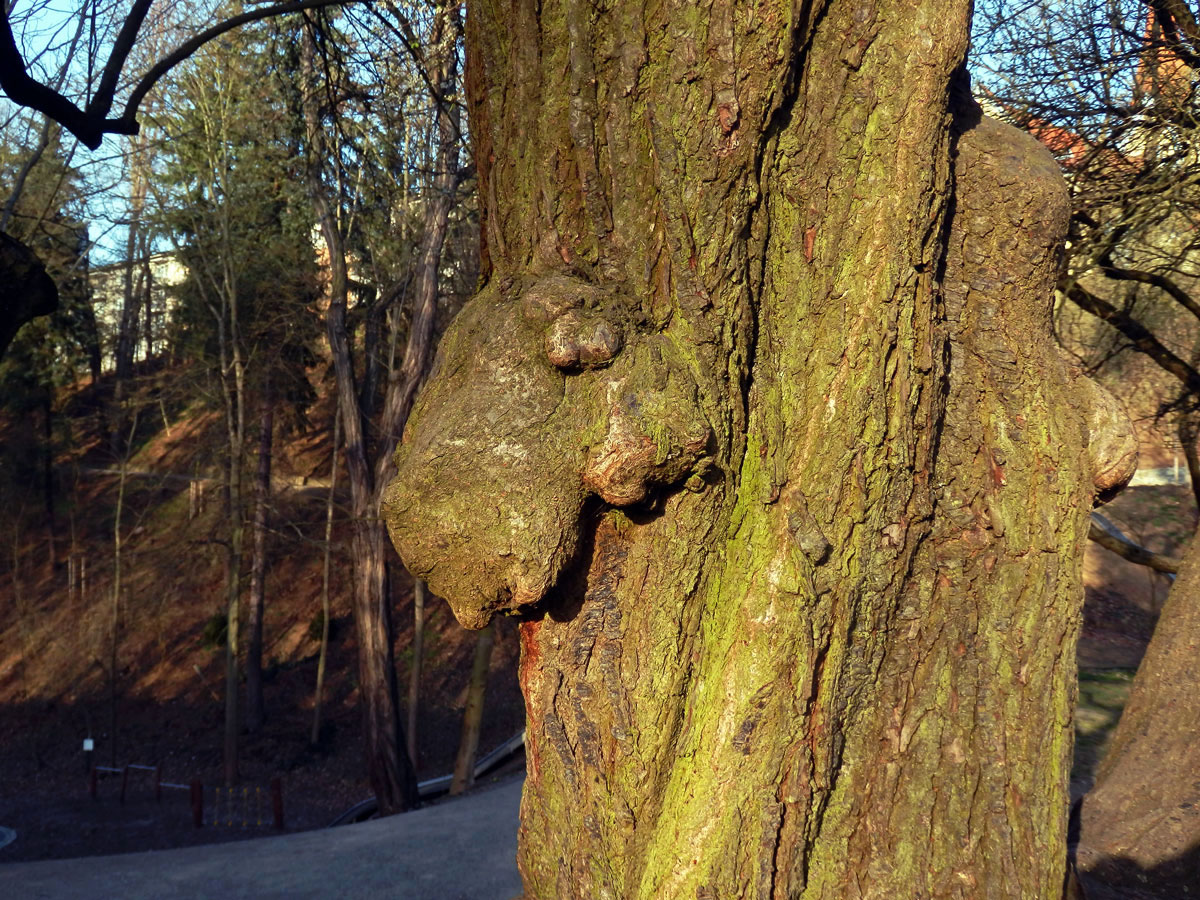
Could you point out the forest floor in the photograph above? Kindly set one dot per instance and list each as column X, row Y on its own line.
column 56, row 643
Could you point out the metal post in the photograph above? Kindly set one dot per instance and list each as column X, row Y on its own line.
column 277, row 801
column 197, row 803
column 158, row 784
column 124, row 783
column 92, row 785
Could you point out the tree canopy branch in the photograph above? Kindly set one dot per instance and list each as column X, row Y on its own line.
column 1164, row 284
column 1176, row 17
column 1136, row 332
column 91, row 124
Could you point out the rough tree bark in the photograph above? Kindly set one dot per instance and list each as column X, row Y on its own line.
column 1140, row 824
column 758, row 424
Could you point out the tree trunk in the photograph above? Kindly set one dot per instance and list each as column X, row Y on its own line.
column 404, row 382
column 414, row 673
column 468, row 744
column 48, row 498
column 758, row 423
column 1189, row 439
column 390, row 772
column 318, row 692
column 258, row 566
column 148, row 295
column 372, row 329
column 1140, row 824
column 131, row 305
column 114, row 623
column 233, row 392
column 233, row 614
column 91, row 335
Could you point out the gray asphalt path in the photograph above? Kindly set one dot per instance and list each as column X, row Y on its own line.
column 458, row 850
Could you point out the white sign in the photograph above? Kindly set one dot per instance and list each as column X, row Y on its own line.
column 88, row 745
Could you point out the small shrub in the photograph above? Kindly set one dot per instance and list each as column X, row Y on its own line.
column 315, row 625
column 216, row 631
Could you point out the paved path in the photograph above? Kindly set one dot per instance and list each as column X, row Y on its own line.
column 458, row 850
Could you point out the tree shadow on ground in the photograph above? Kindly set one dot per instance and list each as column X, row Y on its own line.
column 1121, row 878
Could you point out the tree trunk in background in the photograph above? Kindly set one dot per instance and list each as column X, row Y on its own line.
column 114, row 623
column 92, row 336
column 1189, row 438
column 414, row 673
column 390, row 772
column 318, row 692
column 130, row 307
column 468, row 744
column 48, row 476
column 233, row 393
column 233, row 614
column 148, row 296
column 404, row 382
column 135, row 246
column 758, row 420
column 258, row 566
column 394, row 776
column 1140, row 833
column 372, row 331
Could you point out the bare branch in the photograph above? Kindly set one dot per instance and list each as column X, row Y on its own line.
column 1138, row 334
column 92, row 124
column 1164, row 284
column 1108, row 536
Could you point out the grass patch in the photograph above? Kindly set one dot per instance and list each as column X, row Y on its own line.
column 1102, row 697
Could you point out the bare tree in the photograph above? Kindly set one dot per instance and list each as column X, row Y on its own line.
column 388, row 763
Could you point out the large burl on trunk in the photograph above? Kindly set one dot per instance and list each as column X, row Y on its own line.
column 758, row 425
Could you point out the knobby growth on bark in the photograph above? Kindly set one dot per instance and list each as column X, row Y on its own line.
column 757, row 423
